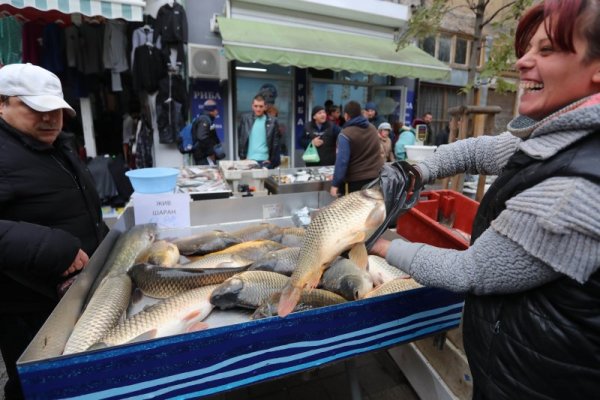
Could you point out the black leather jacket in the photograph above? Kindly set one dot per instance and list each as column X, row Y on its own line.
column 206, row 135
column 273, row 138
column 49, row 209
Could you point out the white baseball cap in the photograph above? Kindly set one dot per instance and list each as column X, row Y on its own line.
column 37, row 87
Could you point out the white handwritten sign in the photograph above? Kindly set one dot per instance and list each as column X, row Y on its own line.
column 169, row 210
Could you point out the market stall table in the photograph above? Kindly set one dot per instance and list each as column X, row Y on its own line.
column 216, row 360
column 297, row 180
column 203, row 182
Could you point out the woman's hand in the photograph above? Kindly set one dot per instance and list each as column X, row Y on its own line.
column 380, row 247
column 80, row 261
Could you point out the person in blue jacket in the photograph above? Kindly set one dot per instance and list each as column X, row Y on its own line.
column 406, row 138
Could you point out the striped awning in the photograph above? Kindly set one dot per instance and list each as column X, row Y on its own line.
column 130, row 10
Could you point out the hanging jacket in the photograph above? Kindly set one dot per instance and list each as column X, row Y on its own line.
column 171, row 25
column 171, row 106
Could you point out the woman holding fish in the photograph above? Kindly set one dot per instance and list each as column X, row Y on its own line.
column 531, row 325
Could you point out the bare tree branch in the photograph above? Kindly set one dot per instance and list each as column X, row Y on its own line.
column 491, row 17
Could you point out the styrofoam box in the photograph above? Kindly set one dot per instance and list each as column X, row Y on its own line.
column 419, row 153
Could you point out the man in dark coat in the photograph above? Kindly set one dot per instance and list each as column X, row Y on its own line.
column 358, row 159
column 205, row 133
column 50, row 215
column 323, row 134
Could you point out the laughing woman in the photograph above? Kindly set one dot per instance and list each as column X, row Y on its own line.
column 531, row 319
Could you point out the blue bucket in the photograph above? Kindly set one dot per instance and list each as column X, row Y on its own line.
column 153, row 180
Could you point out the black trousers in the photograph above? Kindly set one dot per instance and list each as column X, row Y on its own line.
column 16, row 332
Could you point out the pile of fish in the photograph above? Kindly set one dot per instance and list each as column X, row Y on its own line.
column 152, row 288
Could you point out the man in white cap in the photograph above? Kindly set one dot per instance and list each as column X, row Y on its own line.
column 50, row 215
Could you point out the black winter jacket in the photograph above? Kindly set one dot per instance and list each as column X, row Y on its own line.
column 205, row 134
column 328, row 132
column 49, row 209
column 543, row 343
column 273, row 139
column 171, row 25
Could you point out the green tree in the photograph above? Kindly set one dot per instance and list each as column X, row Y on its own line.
column 427, row 20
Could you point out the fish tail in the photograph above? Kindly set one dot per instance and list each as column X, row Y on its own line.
column 288, row 300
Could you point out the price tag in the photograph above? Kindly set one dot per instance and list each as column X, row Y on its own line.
column 169, row 210
column 272, row 211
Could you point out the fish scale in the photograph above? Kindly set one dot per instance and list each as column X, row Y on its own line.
column 347, row 221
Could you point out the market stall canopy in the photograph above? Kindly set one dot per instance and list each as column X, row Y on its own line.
column 130, row 10
column 250, row 41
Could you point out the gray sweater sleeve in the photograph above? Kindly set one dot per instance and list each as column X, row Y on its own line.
column 486, row 155
column 494, row 264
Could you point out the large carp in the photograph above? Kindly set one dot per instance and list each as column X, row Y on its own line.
column 178, row 314
column 162, row 282
column 248, row 289
column 282, row 261
column 103, row 312
column 161, row 252
column 381, row 271
column 124, row 253
column 346, row 279
column 344, row 224
column 308, row 300
column 205, row 242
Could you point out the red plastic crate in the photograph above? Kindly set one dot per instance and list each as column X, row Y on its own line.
column 441, row 218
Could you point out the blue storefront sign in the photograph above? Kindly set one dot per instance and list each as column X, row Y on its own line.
column 202, row 90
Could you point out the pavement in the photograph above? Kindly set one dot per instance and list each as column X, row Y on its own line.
column 377, row 377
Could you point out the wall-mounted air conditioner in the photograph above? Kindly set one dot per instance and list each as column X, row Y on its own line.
column 206, row 62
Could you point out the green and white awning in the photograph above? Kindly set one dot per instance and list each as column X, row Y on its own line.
column 130, row 10
column 267, row 43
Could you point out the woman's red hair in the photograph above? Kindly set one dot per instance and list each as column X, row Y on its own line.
column 560, row 19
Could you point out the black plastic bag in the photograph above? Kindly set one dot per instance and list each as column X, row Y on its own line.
column 397, row 181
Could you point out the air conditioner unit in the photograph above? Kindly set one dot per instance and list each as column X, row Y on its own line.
column 206, row 62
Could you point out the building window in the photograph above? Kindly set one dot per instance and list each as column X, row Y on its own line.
column 460, row 55
column 444, row 48
column 449, row 48
column 429, row 45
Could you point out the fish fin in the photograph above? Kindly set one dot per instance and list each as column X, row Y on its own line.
column 190, row 316
column 136, row 296
column 288, row 300
column 359, row 256
column 97, row 346
column 151, row 334
column 197, row 326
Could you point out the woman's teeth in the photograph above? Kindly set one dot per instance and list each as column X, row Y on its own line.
column 531, row 86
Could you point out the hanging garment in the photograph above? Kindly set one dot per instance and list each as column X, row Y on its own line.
column 171, row 106
column 11, row 37
column 150, row 66
column 143, row 144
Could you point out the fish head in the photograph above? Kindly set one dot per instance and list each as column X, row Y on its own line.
column 354, row 287
column 226, row 294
